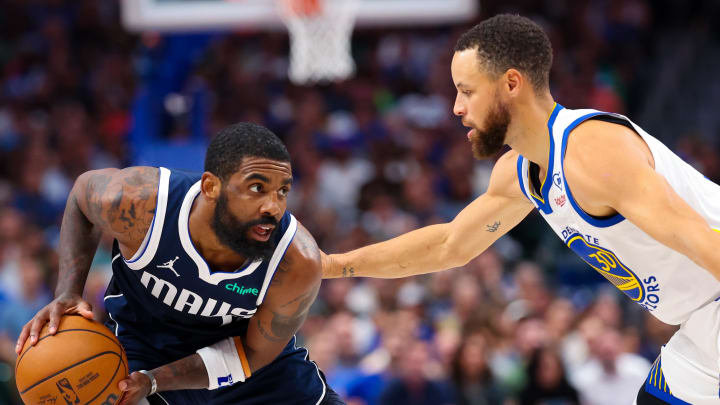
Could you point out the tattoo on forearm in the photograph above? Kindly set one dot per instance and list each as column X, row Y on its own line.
column 494, row 227
column 78, row 242
column 186, row 373
column 348, row 272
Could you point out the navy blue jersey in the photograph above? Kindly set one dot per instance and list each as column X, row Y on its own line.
column 168, row 296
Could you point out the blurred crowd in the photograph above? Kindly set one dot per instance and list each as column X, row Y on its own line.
column 373, row 157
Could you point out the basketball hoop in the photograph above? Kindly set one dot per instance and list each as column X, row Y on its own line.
column 320, row 32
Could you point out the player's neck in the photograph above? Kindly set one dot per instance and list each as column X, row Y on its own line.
column 528, row 133
column 206, row 242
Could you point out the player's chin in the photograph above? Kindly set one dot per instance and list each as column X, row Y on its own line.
column 482, row 151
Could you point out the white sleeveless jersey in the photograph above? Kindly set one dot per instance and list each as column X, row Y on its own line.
column 665, row 282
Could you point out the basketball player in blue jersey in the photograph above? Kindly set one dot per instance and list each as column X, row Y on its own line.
column 212, row 276
column 620, row 199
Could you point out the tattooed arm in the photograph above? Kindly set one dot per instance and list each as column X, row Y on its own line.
column 443, row 246
column 120, row 203
column 287, row 302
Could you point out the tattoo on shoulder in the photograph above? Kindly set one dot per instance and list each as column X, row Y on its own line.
column 348, row 272
column 124, row 202
column 95, row 189
column 494, row 227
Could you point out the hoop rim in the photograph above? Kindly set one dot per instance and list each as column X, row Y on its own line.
column 304, row 8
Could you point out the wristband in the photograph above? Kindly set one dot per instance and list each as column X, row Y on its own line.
column 153, row 381
column 225, row 362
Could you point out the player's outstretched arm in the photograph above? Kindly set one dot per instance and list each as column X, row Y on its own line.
column 609, row 165
column 120, row 203
column 286, row 305
column 443, row 246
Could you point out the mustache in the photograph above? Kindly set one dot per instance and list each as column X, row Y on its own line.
column 266, row 220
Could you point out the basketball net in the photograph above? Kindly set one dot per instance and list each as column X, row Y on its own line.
column 320, row 32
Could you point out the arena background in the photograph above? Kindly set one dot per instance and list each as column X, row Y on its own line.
column 373, row 157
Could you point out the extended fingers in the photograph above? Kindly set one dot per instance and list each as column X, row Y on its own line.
column 22, row 338
column 55, row 313
column 37, row 323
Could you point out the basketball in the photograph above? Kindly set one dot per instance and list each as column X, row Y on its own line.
column 81, row 364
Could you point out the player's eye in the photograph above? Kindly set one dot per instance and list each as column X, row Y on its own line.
column 256, row 188
column 466, row 92
column 284, row 191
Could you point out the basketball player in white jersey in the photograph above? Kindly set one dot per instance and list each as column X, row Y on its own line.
column 619, row 198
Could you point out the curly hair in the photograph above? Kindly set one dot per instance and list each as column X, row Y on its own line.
column 508, row 41
column 235, row 142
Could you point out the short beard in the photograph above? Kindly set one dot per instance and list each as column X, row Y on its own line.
column 232, row 232
column 490, row 141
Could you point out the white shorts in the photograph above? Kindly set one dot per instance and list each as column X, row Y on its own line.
column 691, row 359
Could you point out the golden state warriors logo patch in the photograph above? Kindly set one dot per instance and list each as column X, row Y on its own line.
column 607, row 264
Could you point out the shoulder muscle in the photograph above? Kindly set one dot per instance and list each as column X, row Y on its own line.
column 504, row 179
column 601, row 160
column 121, row 202
column 301, row 264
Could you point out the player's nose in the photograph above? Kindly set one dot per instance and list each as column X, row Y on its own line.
column 271, row 207
column 459, row 108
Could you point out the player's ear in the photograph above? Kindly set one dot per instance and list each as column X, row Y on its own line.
column 210, row 185
column 512, row 82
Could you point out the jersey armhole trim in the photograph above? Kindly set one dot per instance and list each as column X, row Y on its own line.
column 146, row 253
column 520, row 161
column 597, row 222
column 277, row 256
column 542, row 202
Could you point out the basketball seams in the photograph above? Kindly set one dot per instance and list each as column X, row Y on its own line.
column 111, row 338
column 109, row 382
column 69, row 367
column 116, row 349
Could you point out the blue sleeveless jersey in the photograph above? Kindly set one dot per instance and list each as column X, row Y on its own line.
column 168, row 296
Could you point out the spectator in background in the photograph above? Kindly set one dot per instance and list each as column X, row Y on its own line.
column 471, row 375
column 32, row 296
column 29, row 198
column 413, row 386
column 531, row 287
column 611, row 376
column 547, row 382
column 379, row 367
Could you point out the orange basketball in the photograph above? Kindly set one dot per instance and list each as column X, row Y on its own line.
column 81, row 364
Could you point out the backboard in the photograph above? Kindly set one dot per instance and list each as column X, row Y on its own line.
column 184, row 15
